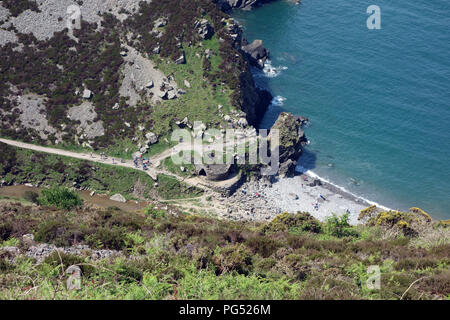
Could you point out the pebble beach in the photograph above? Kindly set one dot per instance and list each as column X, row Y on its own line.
column 262, row 200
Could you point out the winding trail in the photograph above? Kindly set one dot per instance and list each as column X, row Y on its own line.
column 208, row 201
column 153, row 170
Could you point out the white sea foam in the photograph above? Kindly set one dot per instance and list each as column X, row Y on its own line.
column 270, row 71
column 278, row 101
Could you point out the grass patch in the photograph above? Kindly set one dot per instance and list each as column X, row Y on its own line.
column 201, row 101
column 171, row 188
column 189, row 169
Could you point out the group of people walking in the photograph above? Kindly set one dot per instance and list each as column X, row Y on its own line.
column 141, row 162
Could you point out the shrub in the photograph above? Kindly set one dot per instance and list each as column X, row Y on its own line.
column 16, row 7
column 114, row 217
column 154, row 213
column 234, row 257
column 5, row 265
column 67, row 259
column 107, row 238
column 437, row 284
column 31, row 196
column 61, row 198
column 58, row 231
column 6, row 230
column 443, row 223
column 420, row 212
column 339, row 226
column 302, row 221
column 128, row 272
column 367, row 212
column 263, row 246
column 416, row 263
column 264, row 265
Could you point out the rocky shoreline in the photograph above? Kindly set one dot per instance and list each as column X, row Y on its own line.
column 227, row 5
column 263, row 199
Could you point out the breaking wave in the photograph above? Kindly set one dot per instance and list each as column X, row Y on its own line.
column 271, row 71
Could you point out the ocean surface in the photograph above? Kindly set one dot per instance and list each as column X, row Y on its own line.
column 378, row 100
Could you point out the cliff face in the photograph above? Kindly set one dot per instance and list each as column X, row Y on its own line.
column 255, row 52
column 241, row 4
column 254, row 101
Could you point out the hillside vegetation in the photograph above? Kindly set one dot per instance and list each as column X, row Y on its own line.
column 165, row 254
column 55, row 71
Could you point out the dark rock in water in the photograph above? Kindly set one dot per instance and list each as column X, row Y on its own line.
column 301, row 119
column 256, row 53
column 315, row 183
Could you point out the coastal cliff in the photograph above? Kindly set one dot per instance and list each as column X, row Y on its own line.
column 160, row 62
column 240, row 4
column 172, row 237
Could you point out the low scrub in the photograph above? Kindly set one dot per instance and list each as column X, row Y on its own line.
column 62, row 198
column 183, row 256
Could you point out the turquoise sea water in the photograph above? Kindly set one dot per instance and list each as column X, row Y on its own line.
column 378, row 100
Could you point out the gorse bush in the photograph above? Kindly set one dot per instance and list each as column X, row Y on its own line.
column 61, row 198
column 294, row 223
column 234, row 257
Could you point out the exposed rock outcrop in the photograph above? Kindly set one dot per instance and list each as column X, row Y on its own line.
column 118, row 197
column 43, row 250
column 214, row 172
column 292, row 138
column 256, row 53
column 204, row 29
column 253, row 101
column 151, row 138
column 85, row 115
